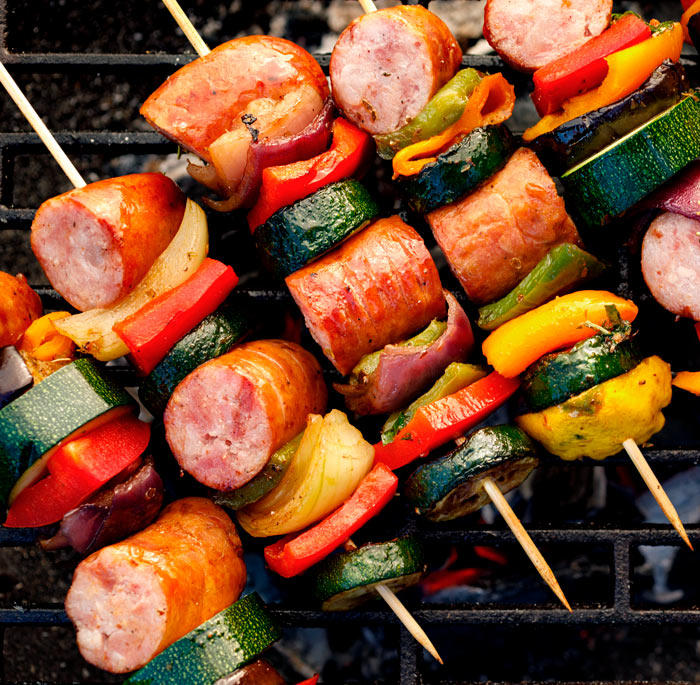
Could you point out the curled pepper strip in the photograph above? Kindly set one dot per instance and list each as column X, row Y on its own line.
column 491, row 103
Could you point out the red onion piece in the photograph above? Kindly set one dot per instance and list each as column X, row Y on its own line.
column 114, row 513
column 680, row 195
column 403, row 372
column 312, row 140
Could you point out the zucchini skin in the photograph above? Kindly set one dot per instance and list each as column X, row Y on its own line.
column 50, row 412
column 556, row 377
column 460, row 169
column 569, row 144
column 611, row 182
column 447, row 488
column 368, row 565
column 214, row 336
column 229, row 640
column 298, row 233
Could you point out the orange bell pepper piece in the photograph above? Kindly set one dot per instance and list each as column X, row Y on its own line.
column 43, row 342
column 688, row 380
column 490, row 103
column 628, row 69
column 520, row 342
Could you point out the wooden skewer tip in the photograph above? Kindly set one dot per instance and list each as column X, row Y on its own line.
column 524, row 539
column 657, row 491
column 368, row 6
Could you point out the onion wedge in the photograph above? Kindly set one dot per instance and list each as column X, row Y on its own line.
column 329, row 464
column 92, row 330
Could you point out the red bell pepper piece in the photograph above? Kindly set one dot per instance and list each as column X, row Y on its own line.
column 150, row 332
column 351, row 152
column 78, row 469
column 585, row 68
column 311, row 681
column 445, row 419
column 296, row 552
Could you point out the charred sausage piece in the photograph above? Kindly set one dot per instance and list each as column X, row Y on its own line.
column 226, row 419
column 528, row 35
column 96, row 243
column 494, row 237
column 386, row 65
column 376, row 288
column 203, row 105
column 19, row 306
column 671, row 263
column 129, row 601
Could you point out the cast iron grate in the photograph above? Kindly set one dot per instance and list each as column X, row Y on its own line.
column 15, row 219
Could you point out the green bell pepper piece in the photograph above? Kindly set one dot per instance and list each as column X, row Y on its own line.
column 443, row 110
column 561, row 269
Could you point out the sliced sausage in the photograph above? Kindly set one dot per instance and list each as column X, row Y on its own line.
column 19, row 306
column 204, row 101
column 671, row 263
column 378, row 287
column 528, row 35
column 230, row 414
column 386, row 65
column 96, row 243
column 494, row 237
column 129, row 601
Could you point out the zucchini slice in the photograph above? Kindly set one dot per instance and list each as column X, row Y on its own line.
column 605, row 186
column 348, row 579
column 214, row 336
column 557, row 377
column 450, row 487
column 459, row 170
column 229, row 640
column 263, row 482
column 574, row 141
column 303, row 231
column 69, row 402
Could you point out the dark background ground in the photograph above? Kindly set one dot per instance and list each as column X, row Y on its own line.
column 108, row 100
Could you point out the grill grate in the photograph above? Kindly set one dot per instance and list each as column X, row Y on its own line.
column 676, row 451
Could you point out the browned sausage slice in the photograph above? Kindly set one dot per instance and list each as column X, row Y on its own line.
column 494, row 237
column 19, row 306
column 96, row 243
column 230, row 414
column 129, row 601
column 671, row 263
column 528, row 35
column 377, row 288
column 386, row 65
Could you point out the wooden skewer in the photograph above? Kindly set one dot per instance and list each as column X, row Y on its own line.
column 368, row 6
column 402, row 613
column 655, row 488
column 500, row 502
column 188, row 29
column 40, row 127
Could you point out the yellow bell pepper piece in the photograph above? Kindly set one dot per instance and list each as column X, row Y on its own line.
column 512, row 347
column 627, row 71
column 490, row 103
column 43, row 342
column 596, row 422
column 688, row 380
